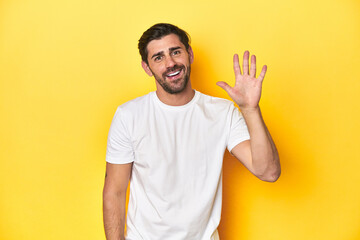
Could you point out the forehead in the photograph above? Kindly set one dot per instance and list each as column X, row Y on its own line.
column 164, row 44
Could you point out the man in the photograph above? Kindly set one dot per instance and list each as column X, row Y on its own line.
column 170, row 145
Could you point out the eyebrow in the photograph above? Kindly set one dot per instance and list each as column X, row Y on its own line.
column 174, row 48
column 162, row 52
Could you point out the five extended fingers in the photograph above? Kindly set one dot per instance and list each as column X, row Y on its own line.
column 246, row 81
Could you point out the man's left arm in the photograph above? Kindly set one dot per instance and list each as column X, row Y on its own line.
column 259, row 154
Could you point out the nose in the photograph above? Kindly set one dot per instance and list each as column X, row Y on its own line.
column 170, row 62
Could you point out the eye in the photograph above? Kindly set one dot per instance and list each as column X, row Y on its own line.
column 157, row 58
column 176, row 52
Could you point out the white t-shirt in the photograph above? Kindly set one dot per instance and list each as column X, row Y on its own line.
column 177, row 154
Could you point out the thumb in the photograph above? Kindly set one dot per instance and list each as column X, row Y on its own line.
column 224, row 86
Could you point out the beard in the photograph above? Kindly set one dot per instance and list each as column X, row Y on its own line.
column 178, row 85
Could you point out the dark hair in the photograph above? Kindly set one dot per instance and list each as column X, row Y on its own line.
column 157, row 32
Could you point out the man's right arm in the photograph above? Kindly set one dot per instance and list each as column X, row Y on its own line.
column 114, row 199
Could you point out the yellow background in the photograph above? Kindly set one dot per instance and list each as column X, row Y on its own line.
column 66, row 65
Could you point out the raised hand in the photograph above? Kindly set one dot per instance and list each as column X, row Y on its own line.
column 247, row 90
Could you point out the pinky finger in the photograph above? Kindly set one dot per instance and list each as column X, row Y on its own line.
column 262, row 74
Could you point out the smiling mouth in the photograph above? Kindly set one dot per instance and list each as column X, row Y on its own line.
column 174, row 73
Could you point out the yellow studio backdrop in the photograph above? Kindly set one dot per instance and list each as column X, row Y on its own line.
column 66, row 65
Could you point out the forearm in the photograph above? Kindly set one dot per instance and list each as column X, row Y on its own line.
column 265, row 159
column 114, row 215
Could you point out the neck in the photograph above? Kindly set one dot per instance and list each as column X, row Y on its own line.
column 177, row 99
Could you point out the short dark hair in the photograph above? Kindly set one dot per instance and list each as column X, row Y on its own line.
column 157, row 32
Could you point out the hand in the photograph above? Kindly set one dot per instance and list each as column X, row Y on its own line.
column 247, row 90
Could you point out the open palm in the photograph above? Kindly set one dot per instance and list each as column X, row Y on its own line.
column 247, row 90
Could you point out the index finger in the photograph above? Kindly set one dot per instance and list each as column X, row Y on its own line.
column 237, row 69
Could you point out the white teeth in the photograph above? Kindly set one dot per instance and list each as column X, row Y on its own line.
column 173, row 74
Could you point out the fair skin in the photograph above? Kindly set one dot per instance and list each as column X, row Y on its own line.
column 259, row 154
column 114, row 199
column 169, row 62
column 164, row 54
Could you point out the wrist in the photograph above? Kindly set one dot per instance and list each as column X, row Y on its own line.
column 250, row 110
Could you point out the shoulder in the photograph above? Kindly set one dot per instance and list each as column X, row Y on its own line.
column 133, row 108
column 216, row 103
column 136, row 103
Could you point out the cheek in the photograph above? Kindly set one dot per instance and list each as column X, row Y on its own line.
column 160, row 71
column 156, row 70
column 159, row 67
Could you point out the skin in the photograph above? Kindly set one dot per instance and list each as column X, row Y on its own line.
column 161, row 59
column 168, row 55
column 259, row 154
column 114, row 199
column 177, row 61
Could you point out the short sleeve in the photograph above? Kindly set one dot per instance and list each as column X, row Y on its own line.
column 238, row 129
column 119, row 148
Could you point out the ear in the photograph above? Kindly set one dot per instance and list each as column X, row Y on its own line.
column 146, row 68
column 191, row 55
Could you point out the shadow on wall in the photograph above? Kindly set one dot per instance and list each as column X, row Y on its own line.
column 203, row 70
column 242, row 192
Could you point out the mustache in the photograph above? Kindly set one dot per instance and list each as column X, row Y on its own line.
column 174, row 68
